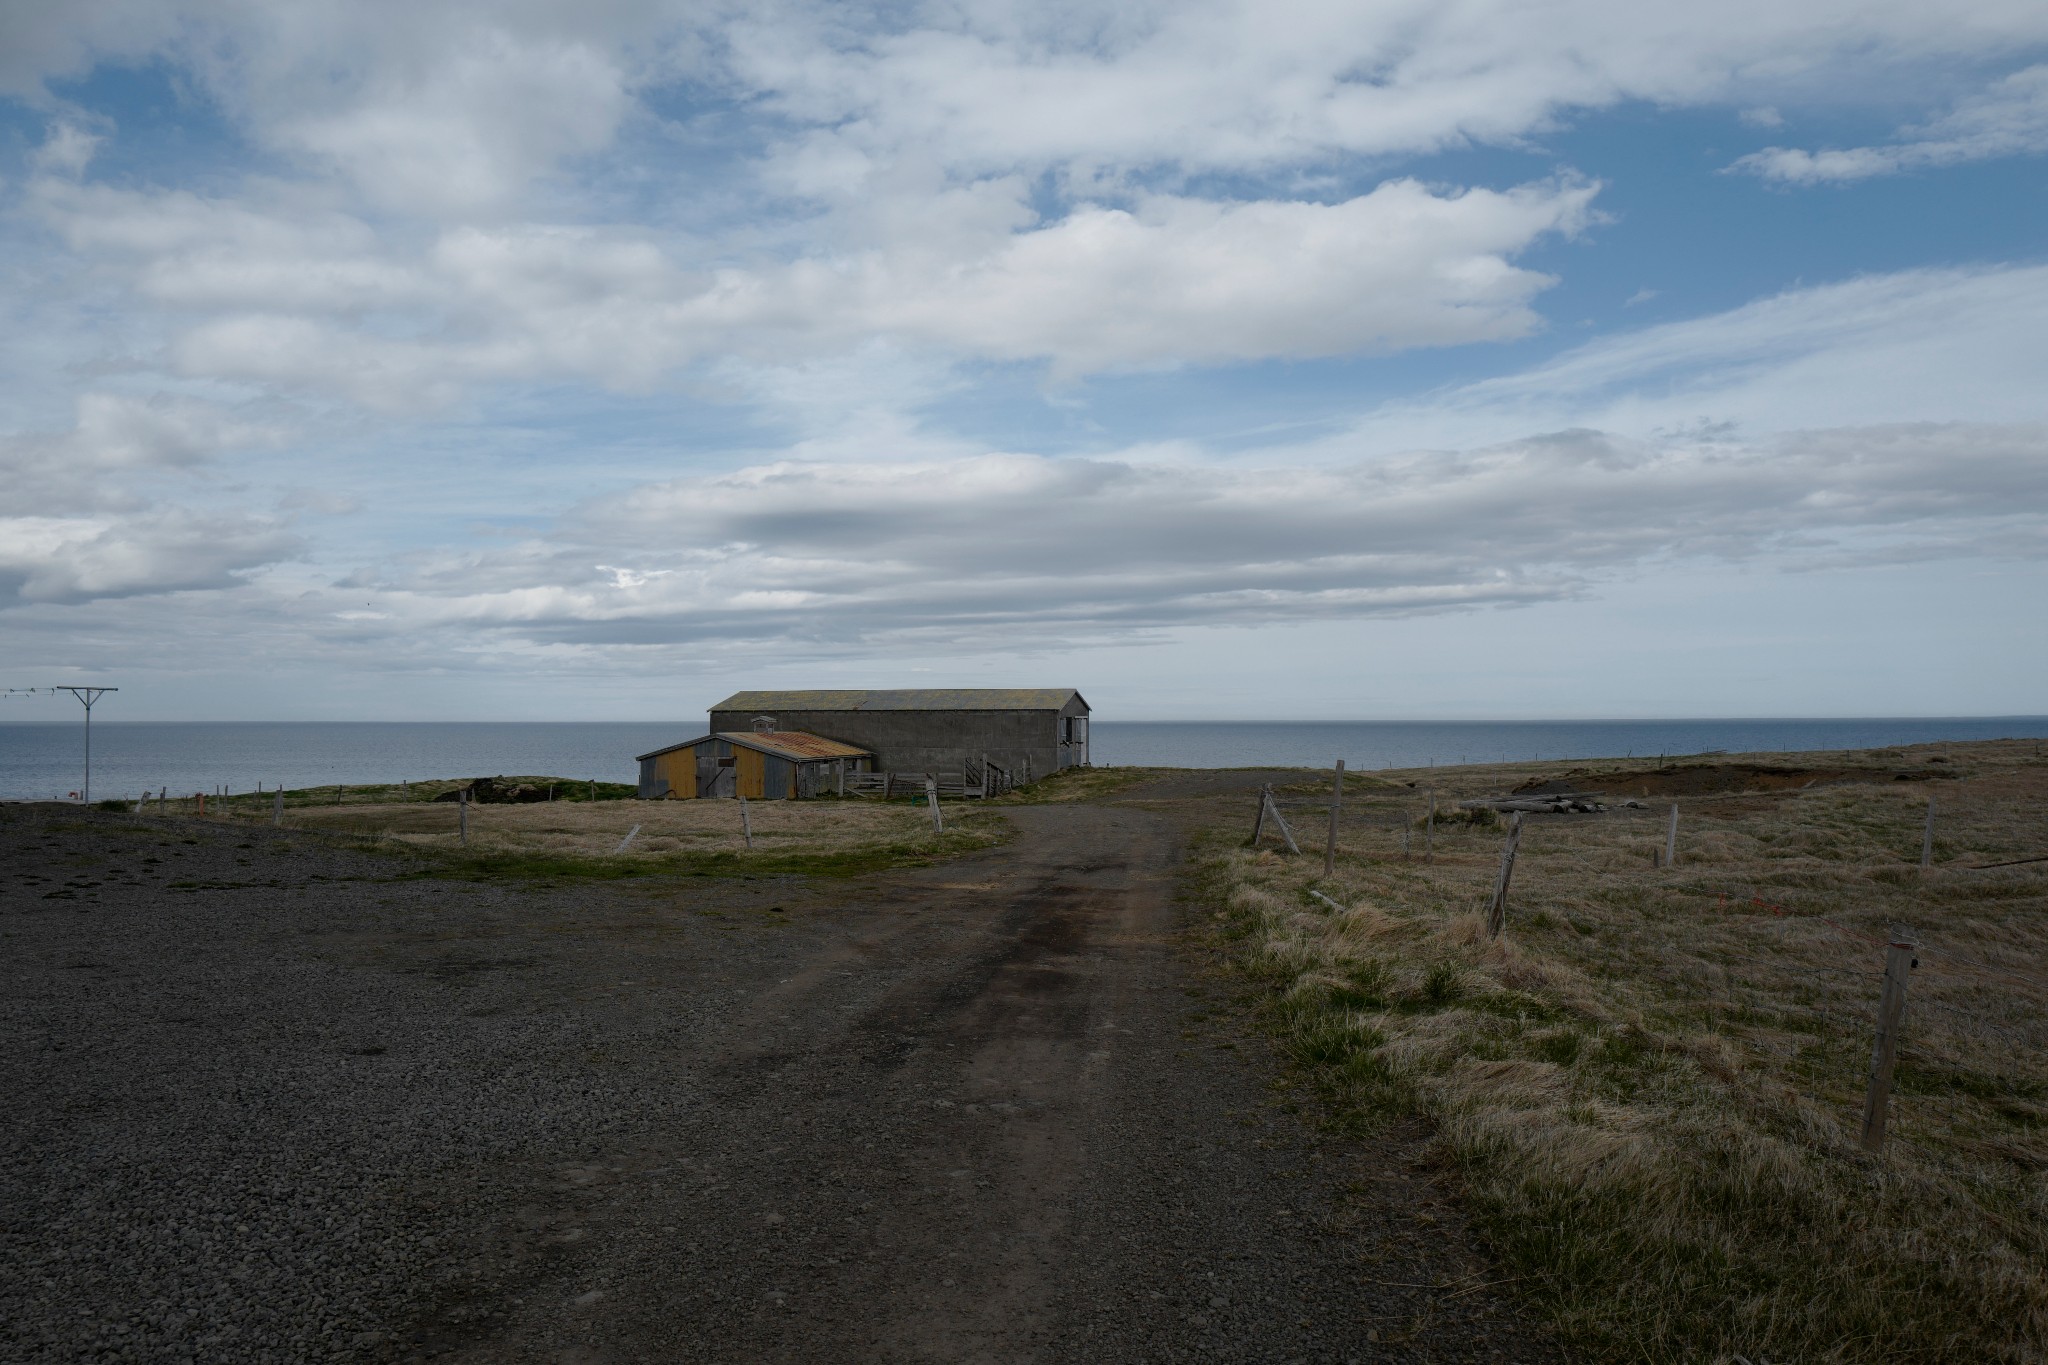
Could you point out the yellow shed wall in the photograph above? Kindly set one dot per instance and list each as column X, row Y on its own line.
column 751, row 775
column 679, row 770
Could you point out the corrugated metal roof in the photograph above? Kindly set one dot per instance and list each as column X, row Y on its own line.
column 906, row 699
column 793, row 744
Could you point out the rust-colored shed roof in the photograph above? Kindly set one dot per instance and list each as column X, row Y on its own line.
column 790, row 744
column 908, row 699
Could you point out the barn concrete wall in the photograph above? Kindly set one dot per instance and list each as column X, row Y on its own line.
column 935, row 741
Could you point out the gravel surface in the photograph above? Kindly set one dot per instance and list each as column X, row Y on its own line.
column 271, row 1100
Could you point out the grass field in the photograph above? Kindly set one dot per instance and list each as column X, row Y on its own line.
column 582, row 837
column 1653, row 1082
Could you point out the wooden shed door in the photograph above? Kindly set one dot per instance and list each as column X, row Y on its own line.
column 714, row 775
column 749, row 767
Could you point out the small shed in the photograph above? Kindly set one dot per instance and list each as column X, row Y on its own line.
column 777, row 765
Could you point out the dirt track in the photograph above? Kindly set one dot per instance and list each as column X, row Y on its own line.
column 997, row 1110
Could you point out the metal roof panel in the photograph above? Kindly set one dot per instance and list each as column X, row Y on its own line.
column 795, row 744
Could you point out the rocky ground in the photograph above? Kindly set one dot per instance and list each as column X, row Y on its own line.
column 270, row 1100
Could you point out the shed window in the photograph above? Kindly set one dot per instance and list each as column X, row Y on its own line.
column 726, row 762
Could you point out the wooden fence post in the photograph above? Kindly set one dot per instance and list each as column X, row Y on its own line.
column 1273, row 807
column 746, row 824
column 931, row 794
column 1259, row 824
column 1336, row 809
column 277, row 808
column 627, row 840
column 1497, row 910
column 1671, row 838
column 1927, row 840
column 1899, row 961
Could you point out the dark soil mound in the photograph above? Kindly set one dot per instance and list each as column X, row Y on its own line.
column 496, row 792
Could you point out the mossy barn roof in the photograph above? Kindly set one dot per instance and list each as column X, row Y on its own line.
column 908, row 699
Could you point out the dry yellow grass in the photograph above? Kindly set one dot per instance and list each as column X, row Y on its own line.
column 1654, row 1081
column 585, row 836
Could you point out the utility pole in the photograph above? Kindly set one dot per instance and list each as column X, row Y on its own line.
column 87, row 695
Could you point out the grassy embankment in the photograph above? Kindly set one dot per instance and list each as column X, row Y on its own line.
column 575, row 836
column 1653, row 1083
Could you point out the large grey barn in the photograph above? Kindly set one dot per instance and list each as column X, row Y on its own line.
column 1038, row 730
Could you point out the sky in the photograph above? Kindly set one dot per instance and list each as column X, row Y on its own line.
column 532, row 360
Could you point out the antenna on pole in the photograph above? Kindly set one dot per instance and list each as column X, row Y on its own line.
column 87, row 695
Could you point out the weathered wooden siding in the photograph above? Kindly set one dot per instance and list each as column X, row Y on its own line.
column 936, row 741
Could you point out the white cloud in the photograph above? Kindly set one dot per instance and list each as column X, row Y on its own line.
column 84, row 514
column 464, row 134
column 115, row 441
column 2009, row 119
column 1909, row 347
column 67, row 151
column 298, row 296
column 79, row 559
column 829, row 557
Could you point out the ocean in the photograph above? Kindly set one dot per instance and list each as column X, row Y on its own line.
column 45, row 759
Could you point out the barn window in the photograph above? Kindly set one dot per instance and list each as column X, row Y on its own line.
column 725, row 762
column 764, row 725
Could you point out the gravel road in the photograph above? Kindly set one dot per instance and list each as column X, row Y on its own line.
column 271, row 1100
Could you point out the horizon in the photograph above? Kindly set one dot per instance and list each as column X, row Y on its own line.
column 1096, row 719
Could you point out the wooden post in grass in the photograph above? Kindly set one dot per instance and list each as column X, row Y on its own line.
column 746, row 824
column 931, row 794
column 1891, row 1008
column 1272, row 808
column 1259, row 824
column 1671, row 838
column 277, row 807
column 462, row 815
column 627, row 840
column 1497, row 910
column 1927, row 840
column 1336, row 809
